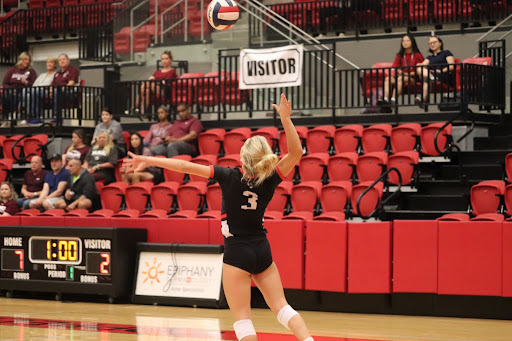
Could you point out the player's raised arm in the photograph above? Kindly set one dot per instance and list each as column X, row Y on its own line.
column 293, row 142
column 138, row 163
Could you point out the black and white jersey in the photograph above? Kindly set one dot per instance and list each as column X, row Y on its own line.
column 243, row 205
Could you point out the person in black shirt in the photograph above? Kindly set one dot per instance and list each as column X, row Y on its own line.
column 246, row 192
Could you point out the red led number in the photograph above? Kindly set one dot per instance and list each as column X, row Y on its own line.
column 104, row 265
column 20, row 253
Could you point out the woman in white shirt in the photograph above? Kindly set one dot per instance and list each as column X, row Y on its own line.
column 34, row 97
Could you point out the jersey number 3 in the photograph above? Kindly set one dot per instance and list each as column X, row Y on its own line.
column 252, row 200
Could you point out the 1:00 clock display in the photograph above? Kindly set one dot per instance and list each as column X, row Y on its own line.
column 52, row 250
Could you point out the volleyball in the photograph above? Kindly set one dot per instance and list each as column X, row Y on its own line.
column 222, row 14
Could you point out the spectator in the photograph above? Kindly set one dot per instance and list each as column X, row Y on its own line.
column 81, row 191
column 17, row 77
column 112, row 126
column 408, row 55
column 182, row 136
column 8, row 196
column 32, row 183
column 158, row 131
column 35, row 96
column 102, row 158
column 435, row 67
column 67, row 76
column 77, row 149
column 147, row 88
column 54, row 185
column 137, row 148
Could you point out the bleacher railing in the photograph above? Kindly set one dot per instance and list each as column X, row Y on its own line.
column 56, row 103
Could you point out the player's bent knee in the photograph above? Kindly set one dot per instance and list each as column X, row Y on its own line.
column 243, row 328
column 285, row 314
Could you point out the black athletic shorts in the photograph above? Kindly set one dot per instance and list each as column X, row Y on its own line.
column 249, row 253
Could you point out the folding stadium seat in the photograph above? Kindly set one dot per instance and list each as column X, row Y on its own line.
column 154, row 214
column 117, row 170
column 235, row 139
column 374, row 79
column 313, row 167
column 100, row 185
column 77, row 212
column 29, row 213
column 35, row 145
column 270, row 134
column 405, row 137
column 8, row 144
column 208, row 90
column 489, row 217
column 170, row 175
column 370, row 201
column 183, row 90
column 104, row 213
column 393, row 12
column 163, row 196
column 478, row 60
column 129, row 213
column 210, row 141
column 230, row 92
column 190, row 199
column 232, row 161
column 445, row 11
column 112, row 196
column 348, row 138
column 454, row 217
column 126, row 138
column 427, row 138
column 143, row 133
column 213, row 201
column 137, row 196
column 205, row 160
column 371, row 166
column 418, row 12
column 2, row 139
column 508, row 167
column 301, row 131
column 278, row 205
column 5, row 169
column 334, row 198
column 405, row 163
column 376, row 138
column 54, row 212
column 33, row 4
column 304, row 199
column 486, row 196
column 342, row 166
column 319, row 139
column 508, row 201
column 53, row 3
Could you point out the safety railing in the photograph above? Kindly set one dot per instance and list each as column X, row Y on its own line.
column 96, row 44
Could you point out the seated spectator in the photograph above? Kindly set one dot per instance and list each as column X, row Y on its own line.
column 158, row 131
column 16, row 78
column 54, row 185
column 35, row 96
column 8, row 196
column 147, row 89
column 110, row 125
column 102, row 158
column 81, row 191
column 137, row 148
column 67, row 76
column 32, row 183
column 439, row 68
column 182, row 136
column 77, row 149
column 408, row 55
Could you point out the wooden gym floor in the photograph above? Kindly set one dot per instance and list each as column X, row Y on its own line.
column 24, row 319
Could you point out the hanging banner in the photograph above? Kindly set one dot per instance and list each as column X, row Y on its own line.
column 271, row 68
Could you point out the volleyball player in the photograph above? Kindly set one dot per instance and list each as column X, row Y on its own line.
column 246, row 192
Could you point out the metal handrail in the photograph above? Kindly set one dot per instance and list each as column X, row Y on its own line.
column 472, row 127
column 185, row 16
column 494, row 28
column 135, row 28
column 30, row 134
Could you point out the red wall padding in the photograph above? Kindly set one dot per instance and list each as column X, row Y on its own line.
column 137, row 223
column 470, row 258
column 88, row 221
column 42, row 221
column 326, row 256
column 287, row 243
column 12, row 220
column 369, row 257
column 215, row 236
column 178, row 230
column 415, row 256
column 507, row 259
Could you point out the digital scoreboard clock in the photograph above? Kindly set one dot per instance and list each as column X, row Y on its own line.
column 93, row 260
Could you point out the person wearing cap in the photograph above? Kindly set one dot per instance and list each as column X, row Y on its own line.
column 54, row 185
column 32, row 182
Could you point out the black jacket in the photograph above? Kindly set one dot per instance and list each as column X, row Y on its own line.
column 85, row 185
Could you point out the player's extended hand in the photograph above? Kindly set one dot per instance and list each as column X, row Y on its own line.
column 135, row 164
column 285, row 107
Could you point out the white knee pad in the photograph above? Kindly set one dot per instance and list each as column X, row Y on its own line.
column 285, row 314
column 243, row 328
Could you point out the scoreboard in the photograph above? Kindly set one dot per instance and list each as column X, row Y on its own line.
column 93, row 260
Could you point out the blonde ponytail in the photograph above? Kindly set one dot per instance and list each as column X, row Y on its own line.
column 258, row 160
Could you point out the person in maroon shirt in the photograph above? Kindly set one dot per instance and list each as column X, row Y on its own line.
column 158, row 131
column 16, row 78
column 32, row 183
column 149, row 88
column 77, row 149
column 62, row 84
column 8, row 196
column 182, row 135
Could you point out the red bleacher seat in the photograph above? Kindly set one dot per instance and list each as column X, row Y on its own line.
column 348, row 138
column 489, row 217
column 137, row 196
column 370, row 201
column 371, row 165
column 319, row 139
column 154, row 214
column 478, row 60
column 269, row 133
column 232, row 161
column 405, row 137
column 34, row 145
column 104, row 213
column 190, row 199
column 205, row 160
column 143, row 133
column 29, row 213
column 304, row 199
column 301, row 131
column 53, row 3
column 454, row 217
column 178, row 177
column 213, row 201
column 340, row 167
column 334, row 198
column 112, row 196
column 129, row 213
column 486, row 196
column 163, row 195
column 77, row 212
column 183, row 89
column 427, row 138
column 376, row 137
column 405, row 163
column 33, row 4
column 276, row 206
column 54, row 212
column 418, row 11
column 374, row 79
column 235, row 139
column 210, row 141
column 445, row 11
column 5, row 169
column 7, row 147
column 312, row 167
column 230, row 92
column 392, row 12
column 208, row 90
column 508, row 200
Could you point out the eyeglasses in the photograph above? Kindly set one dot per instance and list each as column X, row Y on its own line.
column 433, row 42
